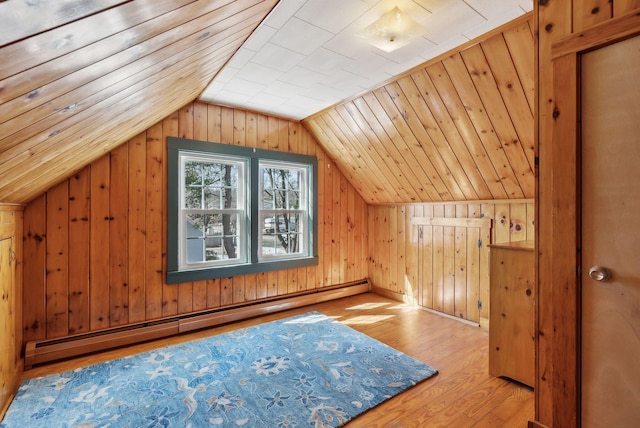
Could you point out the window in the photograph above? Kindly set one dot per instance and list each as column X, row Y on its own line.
column 212, row 215
column 283, row 210
column 235, row 210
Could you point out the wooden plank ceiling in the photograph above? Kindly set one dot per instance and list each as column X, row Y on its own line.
column 457, row 128
column 79, row 78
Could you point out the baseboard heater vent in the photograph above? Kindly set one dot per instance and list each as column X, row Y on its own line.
column 47, row 351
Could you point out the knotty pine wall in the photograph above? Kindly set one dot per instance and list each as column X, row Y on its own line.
column 395, row 252
column 95, row 244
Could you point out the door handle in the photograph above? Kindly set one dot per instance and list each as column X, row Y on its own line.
column 599, row 273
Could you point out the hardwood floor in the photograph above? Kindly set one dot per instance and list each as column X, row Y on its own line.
column 462, row 394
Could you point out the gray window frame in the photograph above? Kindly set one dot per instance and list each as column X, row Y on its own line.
column 253, row 265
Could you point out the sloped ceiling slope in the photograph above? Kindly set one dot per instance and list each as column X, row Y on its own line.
column 79, row 78
column 458, row 128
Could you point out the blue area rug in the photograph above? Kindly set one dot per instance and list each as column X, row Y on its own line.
column 304, row 371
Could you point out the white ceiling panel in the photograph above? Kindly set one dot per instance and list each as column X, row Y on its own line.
column 306, row 55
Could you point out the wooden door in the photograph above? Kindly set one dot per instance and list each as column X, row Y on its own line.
column 453, row 264
column 611, row 235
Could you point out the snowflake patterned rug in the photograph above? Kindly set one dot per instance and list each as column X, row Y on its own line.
column 304, row 371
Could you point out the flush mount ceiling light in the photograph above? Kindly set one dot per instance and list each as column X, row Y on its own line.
column 392, row 31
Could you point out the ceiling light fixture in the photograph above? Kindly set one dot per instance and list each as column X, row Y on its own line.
column 392, row 31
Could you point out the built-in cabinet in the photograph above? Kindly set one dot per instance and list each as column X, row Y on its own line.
column 511, row 315
column 10, row 297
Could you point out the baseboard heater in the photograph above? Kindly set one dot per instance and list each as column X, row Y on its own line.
column 46, row 351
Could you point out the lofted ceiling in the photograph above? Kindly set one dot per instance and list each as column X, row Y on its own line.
column 79, row 78
column 307, row 55
column 458, row 128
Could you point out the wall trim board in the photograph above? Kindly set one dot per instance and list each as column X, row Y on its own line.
column 455, row 221
column 46, row 351
column 400, row 297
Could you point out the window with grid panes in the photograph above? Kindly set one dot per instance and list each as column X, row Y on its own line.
column 235, row 210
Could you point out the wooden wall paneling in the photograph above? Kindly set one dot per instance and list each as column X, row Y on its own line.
column 460, row 273
column 530, row 226
column 375, row 251
column 137, row 227
column 57, row 279
column 473, row 271
column 466, row 110
column 363, row 232
column 509, row 148
column 351, row 216
column 311, row 280
column 390, row 98
column 330, row 169
column 118, row 236
column 427, row 258
column 226, row 291
column 389, row 134
column 400, row 245
column 367, row 145
column 518, row 222
column 46, row 48
column 336, row 270
column 91, row 84
column 449, row 265
column 416, row 90
column 391, row 240
column 79, row 209
column 170, row 35
column 377, row 135
column 489, row 156
column 436, row 167
column 412, row 255
column 501, row 223
column 520, row 40
column 316, row 279
column 438, row 262
column 364, row 150
column 34, row 245
column 553, row 21
column 346, row 157
column 111, row 119
column 23, row 18
column 426, row 81
column 169, row 291
column 99, row 250
column 115, row 179
column 487, row 210
column 588, row 13
column 213, row 293
column 112, row 122
column 512, row 88
column 155, row 213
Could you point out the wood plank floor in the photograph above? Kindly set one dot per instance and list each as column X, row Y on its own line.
column 462, row 394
